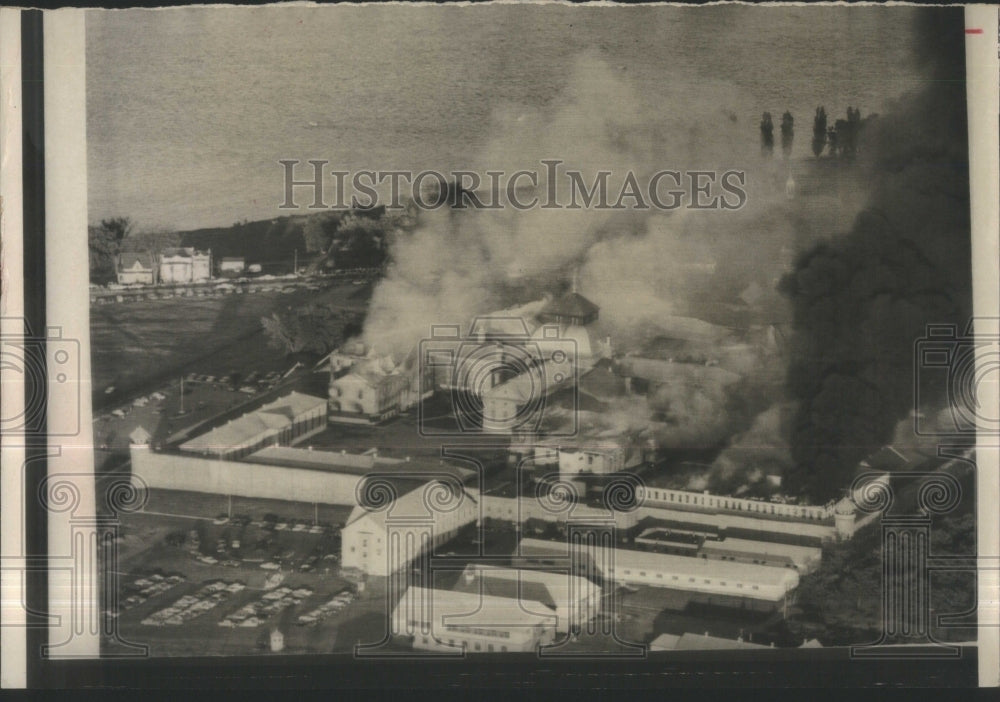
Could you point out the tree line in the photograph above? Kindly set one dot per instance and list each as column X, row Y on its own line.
column 841, row 140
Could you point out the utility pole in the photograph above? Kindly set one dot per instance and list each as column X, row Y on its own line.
column 181, row 411
column 295, row 265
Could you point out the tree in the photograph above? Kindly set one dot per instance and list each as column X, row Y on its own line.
column 819, row 132
column 315, row 234
column 766, row 135
column 787, row 133
column 312, row 329
column 104, row 243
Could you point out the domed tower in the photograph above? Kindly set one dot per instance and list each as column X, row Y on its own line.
column 844, row 517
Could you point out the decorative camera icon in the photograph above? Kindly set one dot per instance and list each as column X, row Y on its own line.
column 48, row 367
column 959, row 368
column 499, row 377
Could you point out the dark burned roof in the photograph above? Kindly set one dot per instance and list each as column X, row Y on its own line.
column 129, row 259
column 571, row 304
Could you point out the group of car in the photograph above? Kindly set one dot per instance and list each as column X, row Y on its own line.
column 339, row 602
column 269, row 604
column 188, row 607
column 144, row 588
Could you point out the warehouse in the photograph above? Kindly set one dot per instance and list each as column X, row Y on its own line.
column 447, row 620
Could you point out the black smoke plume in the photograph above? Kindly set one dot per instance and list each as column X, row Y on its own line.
column 862, row 300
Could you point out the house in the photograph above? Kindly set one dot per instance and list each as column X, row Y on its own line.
column 282, row 421
column 232, row 265
column 384, row 541
column 185, row 265
column 449, row 620
column 136, row 268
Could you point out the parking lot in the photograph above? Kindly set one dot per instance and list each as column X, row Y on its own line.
column 219, row 586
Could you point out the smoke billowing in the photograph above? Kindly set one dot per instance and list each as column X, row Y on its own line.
column 862, row 300
column 859, row 294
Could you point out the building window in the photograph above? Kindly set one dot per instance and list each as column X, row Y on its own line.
column 755, row 587
column 660, row 576
column 490, row 648
column 478, row 647
column 503, row 649
column 425, row 639
column 642, row 573
column 739, row 585
column 707, row 581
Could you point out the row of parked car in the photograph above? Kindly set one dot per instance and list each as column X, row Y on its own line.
column 188, row 607
column 339, row 602
column 270, row 603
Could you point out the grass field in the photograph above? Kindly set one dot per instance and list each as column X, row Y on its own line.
column 140, row 345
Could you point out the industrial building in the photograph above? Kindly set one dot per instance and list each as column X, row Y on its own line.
column 448, row 620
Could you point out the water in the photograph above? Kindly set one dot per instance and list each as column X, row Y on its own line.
column 190, row 109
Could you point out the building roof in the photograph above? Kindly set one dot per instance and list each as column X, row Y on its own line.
column 551, row 589
column 419, row 503
column 131, row 258
column 679, row 565
column 452, row 607
column 703, row 642
column 140, row 436
column 273, row 416
column 664, row 642
column 572, row 304
column 799, row 555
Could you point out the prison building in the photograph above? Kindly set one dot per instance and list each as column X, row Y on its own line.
column 283, row 421
column 734, row 580
column 387, row 535
column 805, row 559
column 573, row 599
column 449, row 620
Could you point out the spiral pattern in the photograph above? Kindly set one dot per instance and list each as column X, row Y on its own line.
column 939, row 494
column 554, row 495
column 60, row 495
column 127, row 496
column 374, row 494
column 443, row 494
column 622, row 494
column 871, row 492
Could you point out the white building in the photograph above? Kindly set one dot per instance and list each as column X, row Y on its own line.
column 185, row 265
column 573, row 599
column 384, row 541
column 447, row 620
